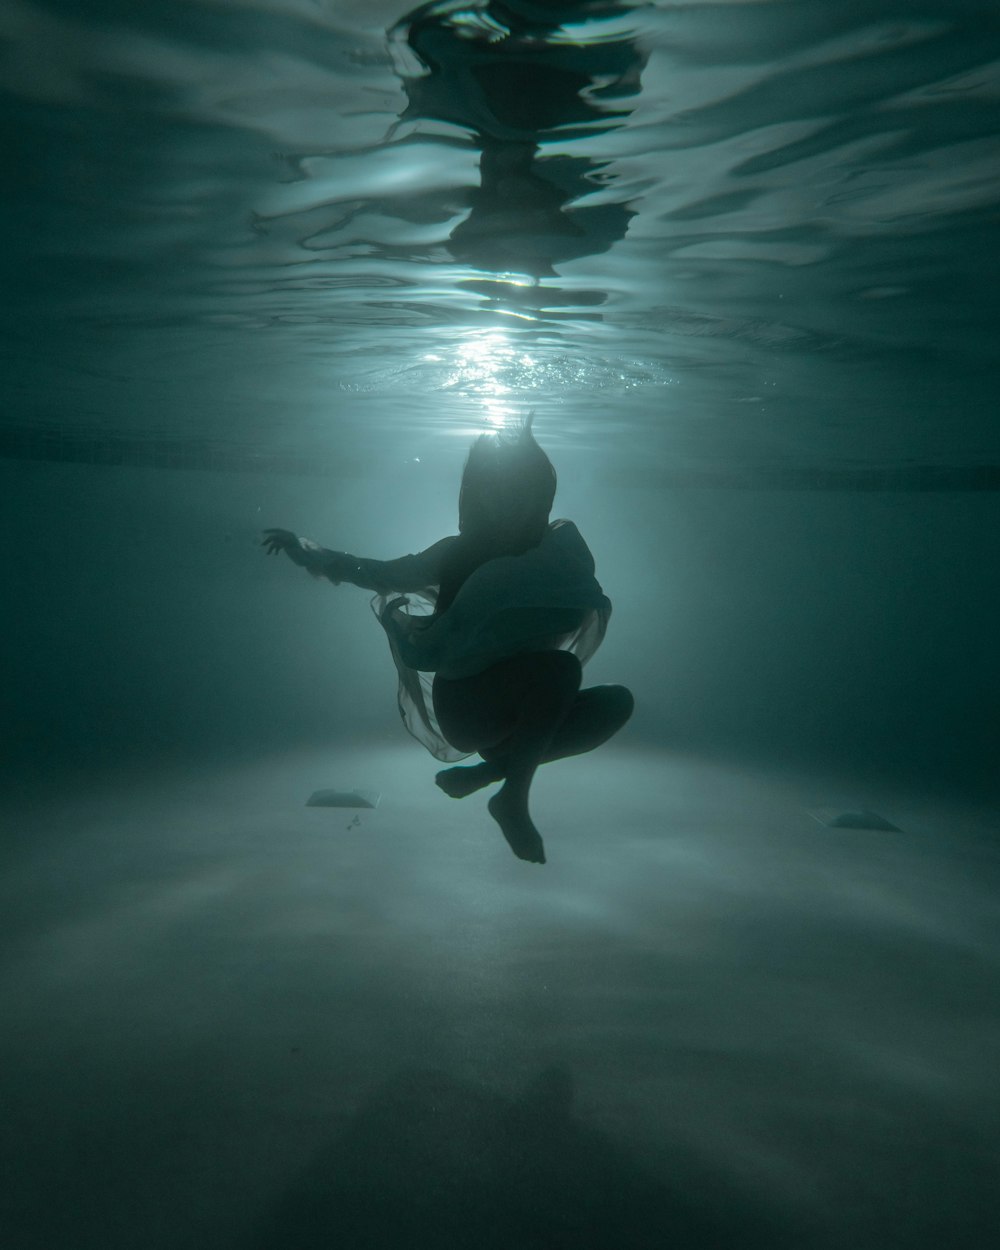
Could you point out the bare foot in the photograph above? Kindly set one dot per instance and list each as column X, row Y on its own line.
column 460, row 782
column 515, row 825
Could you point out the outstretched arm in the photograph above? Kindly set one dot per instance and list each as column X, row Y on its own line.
column 407, row 573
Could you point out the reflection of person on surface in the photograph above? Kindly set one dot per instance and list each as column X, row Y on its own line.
column 514, row 77
column 511, row 612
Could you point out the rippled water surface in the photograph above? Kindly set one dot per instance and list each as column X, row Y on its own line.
column 745, row 233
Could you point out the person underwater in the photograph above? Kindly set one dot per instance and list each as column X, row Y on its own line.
column 489, row 630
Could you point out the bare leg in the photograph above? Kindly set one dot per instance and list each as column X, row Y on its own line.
column 596, row 715
column 557, row 681
column 518, row 714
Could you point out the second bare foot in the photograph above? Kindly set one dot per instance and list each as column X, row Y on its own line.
column 463, row 781
column 515, row 825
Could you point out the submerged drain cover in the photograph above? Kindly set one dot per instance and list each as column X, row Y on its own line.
column 343, row 798
column 834, row 818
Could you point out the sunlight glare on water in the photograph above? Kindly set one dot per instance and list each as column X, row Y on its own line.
column 480, row 368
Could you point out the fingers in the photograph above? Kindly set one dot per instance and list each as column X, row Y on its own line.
column 277, row 540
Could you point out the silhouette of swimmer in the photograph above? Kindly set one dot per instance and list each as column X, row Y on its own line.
column 493, row 629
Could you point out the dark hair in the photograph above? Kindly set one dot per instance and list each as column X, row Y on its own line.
column 503, row 507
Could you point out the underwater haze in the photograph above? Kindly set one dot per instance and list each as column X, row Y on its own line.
column 276, row 263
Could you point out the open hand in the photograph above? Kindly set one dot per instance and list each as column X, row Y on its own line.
column 275, row 541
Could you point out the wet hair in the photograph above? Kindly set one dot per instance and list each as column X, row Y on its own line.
column 503, row 507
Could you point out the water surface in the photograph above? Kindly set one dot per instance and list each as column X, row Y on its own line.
column 753, row 235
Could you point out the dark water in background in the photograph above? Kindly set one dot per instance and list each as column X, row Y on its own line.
column 747, row 236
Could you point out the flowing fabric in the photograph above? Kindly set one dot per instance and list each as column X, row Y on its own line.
column 543, row 600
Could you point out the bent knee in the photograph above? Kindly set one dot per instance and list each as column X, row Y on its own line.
column 621, row 701
column 563, row 666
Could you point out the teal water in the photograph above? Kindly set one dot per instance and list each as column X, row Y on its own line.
column 273, row 263
column 747, row 236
